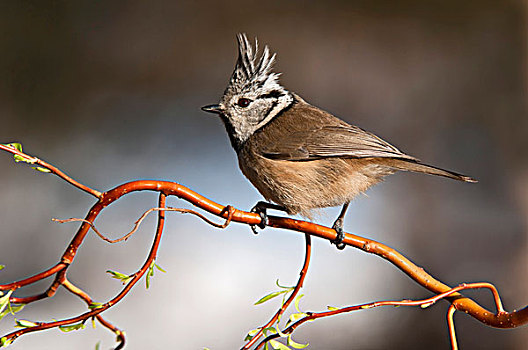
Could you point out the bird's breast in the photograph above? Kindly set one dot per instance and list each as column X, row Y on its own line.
column 301, row 186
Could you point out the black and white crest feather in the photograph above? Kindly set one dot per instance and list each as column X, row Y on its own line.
column 251, row 72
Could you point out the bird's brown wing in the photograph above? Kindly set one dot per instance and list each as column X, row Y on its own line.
column 331, row 141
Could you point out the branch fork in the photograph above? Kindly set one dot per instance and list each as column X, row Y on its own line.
column 498, row 319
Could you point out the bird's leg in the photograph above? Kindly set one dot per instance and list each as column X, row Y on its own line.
column 338, row 227
column 260, row 208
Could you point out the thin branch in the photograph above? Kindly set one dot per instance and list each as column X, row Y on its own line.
column 424, row 303
column 30, row 280
column 96, row 311
column 451, row 327
column 52, row 169
column 77, row 291
column 119, row 333
column 500, row 320
column 88, row 300
column 298, row 286
column 229, row 210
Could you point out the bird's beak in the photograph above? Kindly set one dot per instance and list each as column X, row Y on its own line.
column 218, row 109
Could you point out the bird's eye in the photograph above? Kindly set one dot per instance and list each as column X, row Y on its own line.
column 243, row 102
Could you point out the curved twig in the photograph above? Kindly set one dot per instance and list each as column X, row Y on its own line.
column 500, row 319
column 103, row 307
column 89, row 302
column 52, row 169
column 424, row 303
column 451, row 327
column 229, row 210
column 298, row 286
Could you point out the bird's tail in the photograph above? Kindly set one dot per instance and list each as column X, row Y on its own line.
column 413, row 165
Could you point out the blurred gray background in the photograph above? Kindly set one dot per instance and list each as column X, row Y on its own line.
column 111, row 92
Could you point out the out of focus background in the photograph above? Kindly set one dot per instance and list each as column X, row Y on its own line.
column 111, row 92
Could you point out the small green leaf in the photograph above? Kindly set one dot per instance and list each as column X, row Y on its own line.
column 426, row 305
column 72, row 327
column 95, row 305
column 2, row 267
column 294, row 344
column 19, row 158
column 251, row 334
column 24, row 323
column 272, row 330
column 15, row 145
column 4, row 301
column 295, row 317
column 282, row 335
column 270, row 296
column 24, row 158
column 11, row 309
column 278, row 345
column 4, row 342
column 150, row 273
column 41, row 169
column 120, row 276
column 297, row 299
column 283, row 287
column 98, row 345
column 332, row 308
column 4, row 313
column 159, row 268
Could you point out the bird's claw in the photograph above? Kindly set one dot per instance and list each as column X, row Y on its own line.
column 338, row 241
column 263, row 218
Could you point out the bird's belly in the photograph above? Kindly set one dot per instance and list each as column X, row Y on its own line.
column 301, row 186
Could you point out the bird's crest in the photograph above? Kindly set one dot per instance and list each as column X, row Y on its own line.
column 251, row 71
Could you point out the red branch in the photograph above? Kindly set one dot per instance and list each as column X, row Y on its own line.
column 310, row 316
column 101, row 308
column 278, row 314
column 52, row 169
column 499, row 319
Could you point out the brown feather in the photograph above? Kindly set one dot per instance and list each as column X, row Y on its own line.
column 305, row 158
column 305, row 132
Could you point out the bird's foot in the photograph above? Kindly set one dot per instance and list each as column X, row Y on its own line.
column 338, row 241
column 260, row 208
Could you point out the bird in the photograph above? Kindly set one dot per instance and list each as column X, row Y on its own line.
column 298, row 156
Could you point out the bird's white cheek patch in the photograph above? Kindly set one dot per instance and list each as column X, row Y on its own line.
column 283, row 103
